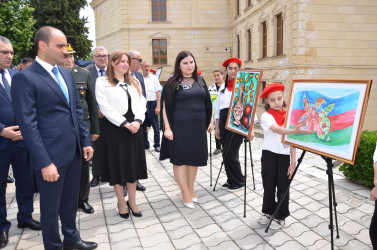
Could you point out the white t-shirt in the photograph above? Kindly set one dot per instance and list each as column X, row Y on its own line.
column 152, row 86
column 223, row 100
column 375, row 154
column 272, row 141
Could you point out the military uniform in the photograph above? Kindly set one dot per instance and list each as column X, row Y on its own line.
column 85, row 90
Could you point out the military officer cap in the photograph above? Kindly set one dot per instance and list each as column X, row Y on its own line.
column 70, row 41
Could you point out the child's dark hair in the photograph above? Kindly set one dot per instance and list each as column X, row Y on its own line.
column 267, row 106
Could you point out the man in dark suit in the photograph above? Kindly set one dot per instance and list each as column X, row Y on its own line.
column 134, row 67
column 13, row 151
column 85, row 89
column 100, row 58
column 52, row 123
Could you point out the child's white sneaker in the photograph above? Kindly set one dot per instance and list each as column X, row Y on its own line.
column 277, row 224
column 264, row 219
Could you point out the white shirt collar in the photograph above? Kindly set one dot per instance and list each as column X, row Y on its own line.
column 45, row 65
column 98, row 69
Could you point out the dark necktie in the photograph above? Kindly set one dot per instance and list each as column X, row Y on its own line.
column 5, row 83
column 101, row 71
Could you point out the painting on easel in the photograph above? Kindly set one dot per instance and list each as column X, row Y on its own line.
column 334, row 110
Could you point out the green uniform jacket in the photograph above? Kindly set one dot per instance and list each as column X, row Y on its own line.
column 85, row 89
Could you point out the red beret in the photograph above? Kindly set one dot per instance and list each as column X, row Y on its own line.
column 230, row 60
column 272, row 87
column 199, row 73
column 153, row 71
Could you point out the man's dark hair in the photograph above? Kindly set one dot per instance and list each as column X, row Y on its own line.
column 27, row 60
column 43, row 34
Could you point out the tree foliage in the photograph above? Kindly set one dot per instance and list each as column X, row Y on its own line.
column 16, row 23
column 64, row 15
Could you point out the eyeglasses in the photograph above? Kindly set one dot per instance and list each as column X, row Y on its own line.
column 139, row 59
column 101, row 56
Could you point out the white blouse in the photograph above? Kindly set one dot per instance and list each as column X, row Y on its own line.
column 113, row 101
column 223, row 100
column 272, row 140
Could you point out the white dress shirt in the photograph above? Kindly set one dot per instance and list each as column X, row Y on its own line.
column 48, row 67
column 152, row 86
column 7, row 76
column 113, row 101
column 98, row 69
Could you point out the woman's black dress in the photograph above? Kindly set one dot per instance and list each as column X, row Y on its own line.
column 189, row 145
column 122, row 157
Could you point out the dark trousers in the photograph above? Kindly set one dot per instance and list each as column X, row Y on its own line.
column 59, row 200
column 218, row 143
column 274, row 175
column 231, row 143
column 84, row 182
column 18, row 157
column 153, row 119
column 373, row 228
column 97, row 145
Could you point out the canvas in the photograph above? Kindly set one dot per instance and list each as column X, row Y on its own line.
column 243, row 103
column 334, row 110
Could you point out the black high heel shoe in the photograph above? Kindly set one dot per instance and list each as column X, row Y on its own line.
column 137, row 214
column 124, row 216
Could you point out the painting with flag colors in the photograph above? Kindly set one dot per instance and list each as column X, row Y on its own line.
column 333, row 110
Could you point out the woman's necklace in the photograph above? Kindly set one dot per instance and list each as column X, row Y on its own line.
column 186, row 83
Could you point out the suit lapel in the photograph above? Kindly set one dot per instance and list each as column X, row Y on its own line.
column 47, row 78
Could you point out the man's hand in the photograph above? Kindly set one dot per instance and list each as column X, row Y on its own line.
column 100, row 115
column 94, row 137
column 373, row 194
column 12, row 132
column 157, row 110
column 88, row 152
column 50, row 173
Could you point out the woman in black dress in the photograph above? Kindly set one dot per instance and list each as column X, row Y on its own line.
column 187, row 112
column 123, row 106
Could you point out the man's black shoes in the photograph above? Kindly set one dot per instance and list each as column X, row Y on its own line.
column 140, row 187
column 94, row 182
column 82, row 245
column 31, row 224
column 86, row 208
column 4, row 239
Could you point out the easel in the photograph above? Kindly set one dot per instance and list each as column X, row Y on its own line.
column 251, row 164
column 332, row 201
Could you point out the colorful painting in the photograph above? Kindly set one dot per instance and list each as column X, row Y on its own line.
column 243, row 103
column 213, row 97
column 333, row 110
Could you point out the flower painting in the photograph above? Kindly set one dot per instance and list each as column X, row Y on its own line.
column 243, row 103
column 333, row 110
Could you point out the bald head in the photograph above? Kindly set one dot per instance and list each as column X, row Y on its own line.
column 51, row 45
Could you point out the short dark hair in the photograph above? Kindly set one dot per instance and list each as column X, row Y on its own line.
column 43, row 34
column 27, row 60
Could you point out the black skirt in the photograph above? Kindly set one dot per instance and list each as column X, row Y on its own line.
column 122, row 155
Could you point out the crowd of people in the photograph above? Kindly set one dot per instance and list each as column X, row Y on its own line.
column 56, row 117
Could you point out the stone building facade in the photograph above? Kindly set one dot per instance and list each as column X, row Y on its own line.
column 288, row 39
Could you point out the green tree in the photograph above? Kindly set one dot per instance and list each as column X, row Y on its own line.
column 64, row 15
column 16, row 23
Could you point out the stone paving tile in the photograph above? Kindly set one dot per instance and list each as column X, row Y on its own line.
column 217, row 222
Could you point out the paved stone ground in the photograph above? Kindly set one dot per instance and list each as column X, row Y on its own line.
column 217, row 222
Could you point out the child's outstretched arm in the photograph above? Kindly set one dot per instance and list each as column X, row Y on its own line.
column 287, row 131
column 292, row 166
